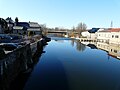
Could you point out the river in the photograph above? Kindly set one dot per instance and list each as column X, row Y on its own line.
column 70, row 65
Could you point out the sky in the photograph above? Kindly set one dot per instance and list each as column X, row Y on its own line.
column 63, row 13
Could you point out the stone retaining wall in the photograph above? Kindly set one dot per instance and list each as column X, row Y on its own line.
column 15, row 62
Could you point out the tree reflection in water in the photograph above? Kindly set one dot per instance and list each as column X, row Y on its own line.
column 73, row 42
column 79, row 46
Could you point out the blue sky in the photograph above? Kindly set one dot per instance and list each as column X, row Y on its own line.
column 64, row 13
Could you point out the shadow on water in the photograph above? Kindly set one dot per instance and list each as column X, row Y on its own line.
column 21, row 79
column 92, row 46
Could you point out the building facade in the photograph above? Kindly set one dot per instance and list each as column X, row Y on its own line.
column 111, row 35
column 35, row 28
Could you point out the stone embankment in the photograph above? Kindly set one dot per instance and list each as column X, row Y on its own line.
column 18, row 61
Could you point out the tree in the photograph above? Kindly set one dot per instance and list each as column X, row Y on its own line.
column 80, row 28
column 73, row 29
column 57, row 28
column 72, row 33
column 16, row 20
column 43, row 28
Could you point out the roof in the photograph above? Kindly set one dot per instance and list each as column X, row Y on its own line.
column 34, row 24
column 114, row 30
column 25, row 25
column 105, row 31
column 93, row 30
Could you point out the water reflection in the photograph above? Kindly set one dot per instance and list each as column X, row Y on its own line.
column 73, row 42
column 73, row 66
column 92, row 46
column 112, row 49
column 79, row 46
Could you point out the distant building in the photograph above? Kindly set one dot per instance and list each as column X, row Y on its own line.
column 85, row 34
column 112, row 35
column 93, row 30
column 26, row 28
column 90, row 33
column 115, row 36
column 103, row 36
column 21, row 28
column 10, row 24
column 35, row 28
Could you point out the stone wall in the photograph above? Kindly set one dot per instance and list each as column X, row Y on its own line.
column 15, row 62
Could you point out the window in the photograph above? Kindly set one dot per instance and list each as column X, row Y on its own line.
column 115, row 51
column 111, row 50
column 116, row 36
column 112, row 36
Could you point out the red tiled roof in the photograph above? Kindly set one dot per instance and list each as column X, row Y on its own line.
column 115, row 30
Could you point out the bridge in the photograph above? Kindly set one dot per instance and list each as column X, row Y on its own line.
column 62, row 32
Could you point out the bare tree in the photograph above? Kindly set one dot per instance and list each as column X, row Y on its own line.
column 73, row 29
column 57, row 28
column 44, row 28
column 81, row 27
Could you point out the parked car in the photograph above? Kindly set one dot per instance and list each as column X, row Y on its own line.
column 15, row 37
column 5, row 38
column 9, row 46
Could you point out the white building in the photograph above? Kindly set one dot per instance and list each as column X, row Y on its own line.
column 111, row 36
column 85, row 34
column 103, row 36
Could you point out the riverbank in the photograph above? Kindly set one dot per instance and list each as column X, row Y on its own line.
column 19, row 60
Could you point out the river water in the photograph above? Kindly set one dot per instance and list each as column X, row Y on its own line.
column 69, row 65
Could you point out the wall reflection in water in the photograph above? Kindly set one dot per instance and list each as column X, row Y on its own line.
column 112, row 49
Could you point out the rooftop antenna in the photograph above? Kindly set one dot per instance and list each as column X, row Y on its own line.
column 111, row 25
